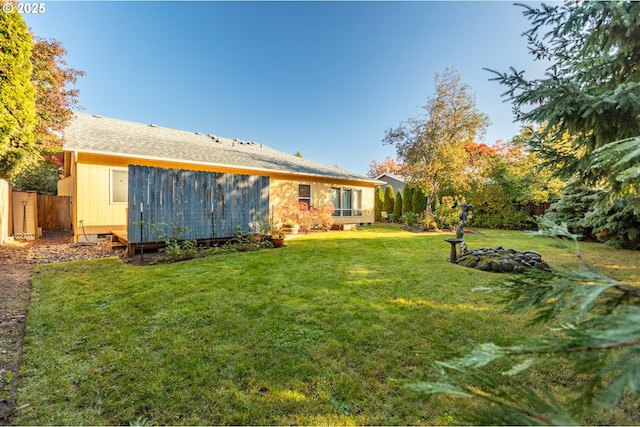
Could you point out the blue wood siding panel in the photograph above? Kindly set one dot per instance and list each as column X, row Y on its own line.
column 192, row 204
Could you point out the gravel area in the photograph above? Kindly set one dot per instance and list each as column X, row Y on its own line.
column 17, row 260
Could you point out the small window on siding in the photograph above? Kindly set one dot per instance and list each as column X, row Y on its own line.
column 119, row 191
column 304, row 193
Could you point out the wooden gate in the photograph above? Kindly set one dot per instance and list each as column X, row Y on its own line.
column 192, row 204
column 54, row 212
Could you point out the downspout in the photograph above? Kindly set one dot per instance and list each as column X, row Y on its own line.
column 74, row 194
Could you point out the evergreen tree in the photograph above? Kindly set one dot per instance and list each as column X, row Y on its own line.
column 590, row 96
column 407, row 199
column 590, row 103
column 17, row 96
column 617, row 223
column 595, row 320
column 419, row 201
column 575, row 201
column 397, row 204
column 378, row 201
column 388, row 199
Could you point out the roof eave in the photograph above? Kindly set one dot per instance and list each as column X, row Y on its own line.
column 220, row 165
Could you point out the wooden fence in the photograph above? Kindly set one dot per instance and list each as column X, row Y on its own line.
column 54, row 212
column 6, row 223
column 534, row 209
column 192, row 204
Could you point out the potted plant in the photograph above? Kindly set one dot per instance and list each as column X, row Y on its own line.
column 277, row 237
column 290, row 227
column 261, row 228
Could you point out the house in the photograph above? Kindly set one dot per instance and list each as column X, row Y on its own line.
column 100, row 152
column 396, row 181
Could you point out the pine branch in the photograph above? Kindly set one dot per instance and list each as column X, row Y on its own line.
column 610, row 346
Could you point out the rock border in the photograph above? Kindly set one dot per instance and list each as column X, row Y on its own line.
column 501, row 260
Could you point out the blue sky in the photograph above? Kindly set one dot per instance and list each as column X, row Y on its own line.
column 323, row 78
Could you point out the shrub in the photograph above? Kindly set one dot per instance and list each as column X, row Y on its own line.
column 493, row 209
column 397, row 204
column 40, row 178
column 419, row 203
column 407, row 199
column 506, row 219
column 412, row 219
column 428, row 222
column 296, row 213
column 446, row 215
column 377, row 203
column 387, row 206
column 304, row 217
column 180, row 251
column 322, row 217
column 314, row 217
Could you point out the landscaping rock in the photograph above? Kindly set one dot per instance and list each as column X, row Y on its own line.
column 501, row 260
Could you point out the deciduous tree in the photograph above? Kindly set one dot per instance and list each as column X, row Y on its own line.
column 432, row 146
column 389, row 165
column 54, row 98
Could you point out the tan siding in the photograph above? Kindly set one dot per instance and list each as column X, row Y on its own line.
column 65, row 186
column 93, row 194
column 90, row 175
column 286, row 191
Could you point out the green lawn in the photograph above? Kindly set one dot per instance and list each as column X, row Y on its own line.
column 326, row 330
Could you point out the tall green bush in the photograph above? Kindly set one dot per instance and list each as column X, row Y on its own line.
column 397, row 204
column 378, row 201
column 389, row 200
column 419, row 201
column 407, row 199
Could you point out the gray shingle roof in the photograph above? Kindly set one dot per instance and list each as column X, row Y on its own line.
column 392, row 175
column 101, row 135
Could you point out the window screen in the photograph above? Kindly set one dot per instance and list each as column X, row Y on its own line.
column 304, row 193
column 119, row 186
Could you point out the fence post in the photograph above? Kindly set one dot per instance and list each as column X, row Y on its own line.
column 141, row 233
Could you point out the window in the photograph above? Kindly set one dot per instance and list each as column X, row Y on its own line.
column 119, row 191
column 335, row 200
column 356, row 202
column 346, row 201
column 304, row 194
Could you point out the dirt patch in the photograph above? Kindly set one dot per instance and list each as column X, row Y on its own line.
column 17, row 260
